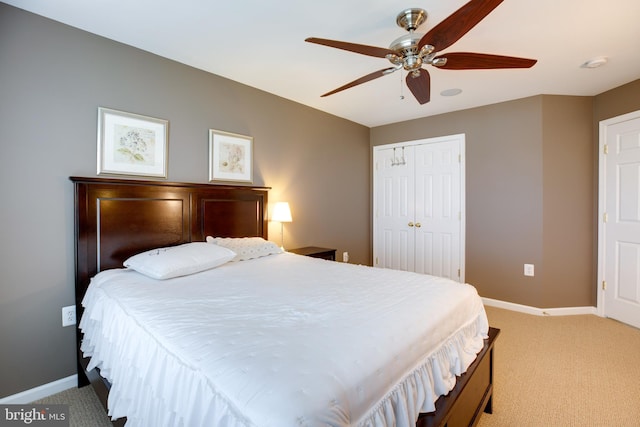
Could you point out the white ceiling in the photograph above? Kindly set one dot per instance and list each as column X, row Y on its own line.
column 261, row 44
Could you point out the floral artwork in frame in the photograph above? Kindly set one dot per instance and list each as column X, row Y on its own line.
column 230, row 157
column 131, row 144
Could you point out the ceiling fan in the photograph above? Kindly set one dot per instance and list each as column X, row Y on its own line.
column 413, row 50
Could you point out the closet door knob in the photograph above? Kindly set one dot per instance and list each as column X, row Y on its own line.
column 410, row 224
column 418, row 225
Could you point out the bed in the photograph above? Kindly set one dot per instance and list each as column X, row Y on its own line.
column 367, row 370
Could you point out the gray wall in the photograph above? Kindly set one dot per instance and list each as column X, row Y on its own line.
column 52, row 80
column 503, row 192
column 616, row 102
column 568, row 226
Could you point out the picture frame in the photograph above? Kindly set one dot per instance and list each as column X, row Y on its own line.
column 132, row 144
column 230, row 157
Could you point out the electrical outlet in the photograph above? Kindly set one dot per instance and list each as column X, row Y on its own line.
column 528, row 270
column 69, row 315
column 345, row 256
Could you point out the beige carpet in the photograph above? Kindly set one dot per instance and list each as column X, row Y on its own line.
column 549, row 371
column 85, row 410
column 564, row 371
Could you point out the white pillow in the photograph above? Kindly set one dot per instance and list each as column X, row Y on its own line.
column 174, row 261
column 246, row 247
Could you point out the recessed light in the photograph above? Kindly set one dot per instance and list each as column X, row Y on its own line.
column 451, row 92
column 595, row 62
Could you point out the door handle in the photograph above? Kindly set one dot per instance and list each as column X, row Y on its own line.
column 418, row 225
column 410, row 224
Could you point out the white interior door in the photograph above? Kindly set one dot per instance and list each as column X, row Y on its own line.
column 419, row 206
column 393, row 198
column 620, row 218
column 438, row 208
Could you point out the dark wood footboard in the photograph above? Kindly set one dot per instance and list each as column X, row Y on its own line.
column 472, row 395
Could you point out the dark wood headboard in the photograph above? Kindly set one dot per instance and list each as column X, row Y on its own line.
column 117, row 218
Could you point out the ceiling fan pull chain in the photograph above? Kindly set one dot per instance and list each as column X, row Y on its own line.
column 401, row 86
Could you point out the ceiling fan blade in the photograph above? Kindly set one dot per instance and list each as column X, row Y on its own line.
column 378, row 52
column 479, row 61
column 420, row 86
column 362, row 79
column 458, row 24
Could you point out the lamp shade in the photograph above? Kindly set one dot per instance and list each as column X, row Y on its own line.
column 281, row 212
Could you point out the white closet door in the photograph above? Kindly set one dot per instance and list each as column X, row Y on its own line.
column 394, row 209
column 418, row 197
column 437, row 209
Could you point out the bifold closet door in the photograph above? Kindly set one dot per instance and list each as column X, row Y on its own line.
column 437, row 209
column 394, row 236
column 418, row 207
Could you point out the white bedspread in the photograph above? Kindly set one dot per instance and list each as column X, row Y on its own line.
column 280, row 341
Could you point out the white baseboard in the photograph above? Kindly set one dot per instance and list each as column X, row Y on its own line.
column 41, row 392
column 560, row 311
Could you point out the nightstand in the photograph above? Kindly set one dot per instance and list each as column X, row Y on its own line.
column 315, row 252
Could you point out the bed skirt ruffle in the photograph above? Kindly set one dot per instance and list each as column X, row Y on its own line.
column 152, row 386
column 436, row 376
column 149, row 384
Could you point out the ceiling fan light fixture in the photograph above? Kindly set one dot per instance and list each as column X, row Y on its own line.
column 439, row 62
column 595, row 62
column 412, row 63
column 427, row 49
column 394, row 59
